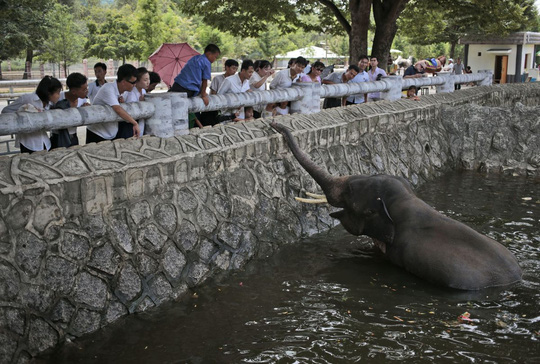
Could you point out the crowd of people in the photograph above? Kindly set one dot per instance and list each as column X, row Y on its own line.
column 132, row 84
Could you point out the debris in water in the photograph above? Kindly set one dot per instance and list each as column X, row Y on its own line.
column 526, row 198
column 465, row 317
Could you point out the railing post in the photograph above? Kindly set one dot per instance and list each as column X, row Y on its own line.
column 447, row 86
column 488, row 80
column 395, row 85
column 171, row 115
column 311, row 98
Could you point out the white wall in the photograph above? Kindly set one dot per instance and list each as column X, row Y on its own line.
column 487, row 60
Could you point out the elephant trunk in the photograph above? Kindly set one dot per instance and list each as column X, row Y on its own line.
column 332, row 186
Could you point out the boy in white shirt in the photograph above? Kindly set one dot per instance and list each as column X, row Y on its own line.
column 109, row 94
column 236, row 84
column 100, row 70
column 231, row 66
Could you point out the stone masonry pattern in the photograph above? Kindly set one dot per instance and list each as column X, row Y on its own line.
column 93, row 233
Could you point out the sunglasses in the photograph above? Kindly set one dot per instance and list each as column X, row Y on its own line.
column 132, row 82
column 319, row 69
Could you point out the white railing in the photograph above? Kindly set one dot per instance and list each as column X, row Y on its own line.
column 166, row 114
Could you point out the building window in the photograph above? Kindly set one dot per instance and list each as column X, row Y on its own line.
column 479, row 54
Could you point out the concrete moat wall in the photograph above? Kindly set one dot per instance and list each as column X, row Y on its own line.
column 93, row 233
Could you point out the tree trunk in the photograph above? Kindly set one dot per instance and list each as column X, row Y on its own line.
column 386, row 14
column 1, row 70
column 358, row 37
column 28, row 64
column 452, row 49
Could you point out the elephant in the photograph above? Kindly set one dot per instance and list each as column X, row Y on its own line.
column 409, row 232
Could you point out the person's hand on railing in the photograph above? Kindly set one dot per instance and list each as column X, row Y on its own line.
column 136, row 130
column 205, row 99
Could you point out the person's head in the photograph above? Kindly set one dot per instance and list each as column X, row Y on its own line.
column 48, row 89
column 212, row 52
column 283, row 104
column 247, row 69
column 442, row 59
column 231, row 66
column 411, row 91
column 126, row 77
column 262, row 67
column 317, row 68
column 468, row 68
column 77, row 84
column 373, row 62
column 100, row 70
column 154, row 81
column 299, row 65
column 248, row 112
column 351, row 72
column 363, row 63
column 291, row 62
column 420, row 66
column 143, row 78
column 458, row 61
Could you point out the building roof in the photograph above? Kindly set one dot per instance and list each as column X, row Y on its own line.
column 310, row 53
column 514, row 38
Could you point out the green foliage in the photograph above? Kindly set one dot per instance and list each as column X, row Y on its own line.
column 64, row 44
column 149, row 26
column 113, row 38
column 22, row 25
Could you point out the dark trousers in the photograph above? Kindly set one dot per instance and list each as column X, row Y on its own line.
column 331, row 102
column 177, row 88
column 93, row 137
column 457, row 86
column 25, row 150
column 55, row 141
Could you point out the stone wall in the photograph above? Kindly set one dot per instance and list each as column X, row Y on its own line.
column 90, row 234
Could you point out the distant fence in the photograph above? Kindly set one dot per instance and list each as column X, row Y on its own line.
column 166, row 114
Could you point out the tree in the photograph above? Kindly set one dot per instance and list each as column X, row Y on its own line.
column 352, row 17
column 23, row 27
column 428, row 22
column 149, row 25
column 64, row 44
column 114, row 38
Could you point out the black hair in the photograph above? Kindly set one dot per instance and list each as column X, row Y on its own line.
column 76, row 80
column 262, row 63
column 46, row 87
column 154, row 77
column 316, row 64
column 102, row 65
column 212, row 48
column 246, row 64
column 125, row 72
column 413, row 87
column 291, row 62
column 354, row 67
column 363, row 56
column 231, row 62
column 302, row 61
column 141, row 71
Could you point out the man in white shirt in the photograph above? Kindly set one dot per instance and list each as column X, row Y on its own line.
column 338, row 77
column 100, row 70
column 375, row 74
column 231, row 66
column 362, row 76
column 286, row 77
column 236, row 84
column 109, row 94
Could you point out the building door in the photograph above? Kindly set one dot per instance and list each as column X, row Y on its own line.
column 501, row 67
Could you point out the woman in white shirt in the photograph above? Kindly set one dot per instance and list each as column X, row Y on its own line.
column 136, row 95
column 47, row 94
column 257, row 82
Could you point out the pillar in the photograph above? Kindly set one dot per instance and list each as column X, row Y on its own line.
column 311, row 98
column 171, row 115
column 448, row 85
column 488, row 80
column 395, row 85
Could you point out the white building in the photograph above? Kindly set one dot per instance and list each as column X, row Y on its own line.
column 511, row 59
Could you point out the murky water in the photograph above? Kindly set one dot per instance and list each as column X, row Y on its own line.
column 329, row 299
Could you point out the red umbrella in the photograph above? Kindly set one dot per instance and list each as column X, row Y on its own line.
column 170, row 58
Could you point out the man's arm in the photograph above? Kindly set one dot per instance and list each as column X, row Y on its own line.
column 204, row 95
column 124, row 115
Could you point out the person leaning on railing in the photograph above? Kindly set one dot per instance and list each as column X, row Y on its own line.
column 46, row 95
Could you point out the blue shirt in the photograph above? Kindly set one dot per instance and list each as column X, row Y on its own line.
column 197, row 69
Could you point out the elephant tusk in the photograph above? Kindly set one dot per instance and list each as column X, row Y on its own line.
column 314, row 195
column 311, row 200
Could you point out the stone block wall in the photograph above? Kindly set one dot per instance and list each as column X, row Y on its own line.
column 93, row 233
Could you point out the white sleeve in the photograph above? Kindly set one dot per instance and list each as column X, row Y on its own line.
column 225, row 87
